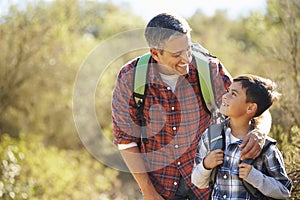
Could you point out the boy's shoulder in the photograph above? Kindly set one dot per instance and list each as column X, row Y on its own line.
column 269, row 139
column 268, row 152
column 268, row 148
column 268, row 142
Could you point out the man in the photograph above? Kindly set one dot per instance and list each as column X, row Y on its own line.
column 174, row 111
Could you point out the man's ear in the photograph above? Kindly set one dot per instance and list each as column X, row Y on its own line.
column 154, row 53
column 252, row 108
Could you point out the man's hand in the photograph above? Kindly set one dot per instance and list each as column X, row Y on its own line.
column 252, row 145
column 213, row 159
column 135, row 163
column 152, row 196
column 244, row 170
column 214, row 62
column 149, row 192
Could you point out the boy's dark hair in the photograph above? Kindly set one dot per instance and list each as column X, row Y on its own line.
column 259, row 90
column 164, row 26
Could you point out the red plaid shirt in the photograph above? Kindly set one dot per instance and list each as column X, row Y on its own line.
column 175, row 122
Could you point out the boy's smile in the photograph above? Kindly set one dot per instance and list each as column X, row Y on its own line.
column 234, row 101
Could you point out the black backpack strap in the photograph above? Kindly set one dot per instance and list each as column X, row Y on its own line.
column 217, row 140
column 216, row 136
column 139, row 89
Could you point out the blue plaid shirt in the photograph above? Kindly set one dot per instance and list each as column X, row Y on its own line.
column 228, row 185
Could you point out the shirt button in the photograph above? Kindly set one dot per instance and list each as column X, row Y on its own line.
column 178, row 163
column 175, row 183
column 225, row 176
column 168, row 88
column 174, row 128
column 224, row 196
column 173, row 108
column 176, row 146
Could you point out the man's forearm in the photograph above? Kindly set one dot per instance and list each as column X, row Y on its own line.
column 135, row 163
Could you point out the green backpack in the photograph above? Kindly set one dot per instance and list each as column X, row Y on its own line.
column 201, row 56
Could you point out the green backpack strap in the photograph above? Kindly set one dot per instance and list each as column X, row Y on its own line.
column 140, row 77
column 204, row 75
column 139, row 88
column 202, row 56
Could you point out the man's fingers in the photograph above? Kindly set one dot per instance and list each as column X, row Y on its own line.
column 251, row 149
column 214, row 62
column 246, row 145
column 246, row 140
column 250, row 154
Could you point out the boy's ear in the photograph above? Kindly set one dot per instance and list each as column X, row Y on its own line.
column 252, row 108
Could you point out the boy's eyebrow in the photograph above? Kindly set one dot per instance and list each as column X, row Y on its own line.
column 234, row 90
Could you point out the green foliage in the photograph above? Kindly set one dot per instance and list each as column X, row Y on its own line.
column 31, row 170
column 228, row 40
column 284, row 19
column 288, row 143
column 10, row 186
column 45, row 44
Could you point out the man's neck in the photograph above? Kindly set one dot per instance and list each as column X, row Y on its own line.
column 171, row 80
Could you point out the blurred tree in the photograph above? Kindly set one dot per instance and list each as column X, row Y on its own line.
column 283, row 49
column 283, row 22
column 43, row 46
column 228, row 40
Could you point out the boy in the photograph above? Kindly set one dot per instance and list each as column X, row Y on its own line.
column 247, row 97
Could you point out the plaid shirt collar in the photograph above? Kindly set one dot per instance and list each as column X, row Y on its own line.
column 153, row 75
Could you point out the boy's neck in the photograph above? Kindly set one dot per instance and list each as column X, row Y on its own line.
column 239, row 127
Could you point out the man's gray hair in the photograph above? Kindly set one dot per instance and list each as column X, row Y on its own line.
column 163, row 27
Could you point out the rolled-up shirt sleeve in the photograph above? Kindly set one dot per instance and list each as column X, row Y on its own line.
column 126, row 146
column 126, row 128
column 201, row 176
